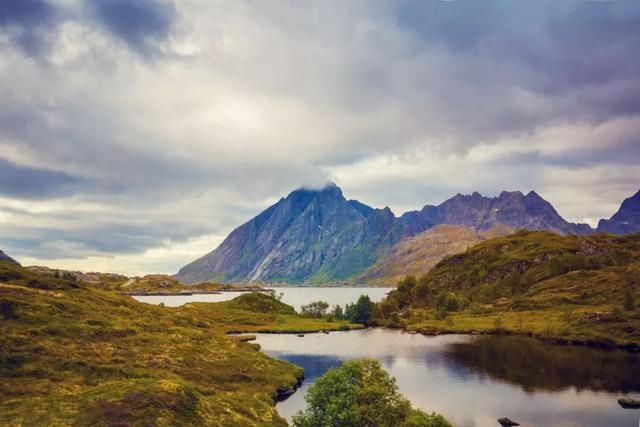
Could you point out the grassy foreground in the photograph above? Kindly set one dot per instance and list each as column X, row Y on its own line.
column 71, row 354
column 566, row 289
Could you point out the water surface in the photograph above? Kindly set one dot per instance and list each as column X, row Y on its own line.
column 475, row 380
column 296, row 297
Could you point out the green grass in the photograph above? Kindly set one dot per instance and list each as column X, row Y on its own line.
column 71, row 354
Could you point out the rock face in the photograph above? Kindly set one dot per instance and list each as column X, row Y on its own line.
column 626, row 220
column 318, row 236
column 5, row 257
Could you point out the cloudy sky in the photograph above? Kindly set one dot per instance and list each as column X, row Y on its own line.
column 135, row 134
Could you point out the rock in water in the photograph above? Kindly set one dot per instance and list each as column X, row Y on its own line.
column 628, row 403
column 506, row 422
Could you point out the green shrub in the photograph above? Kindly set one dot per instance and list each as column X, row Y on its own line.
column 357, row 394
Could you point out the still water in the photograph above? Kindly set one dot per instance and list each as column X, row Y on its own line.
column 475, row 380
column 292, row 296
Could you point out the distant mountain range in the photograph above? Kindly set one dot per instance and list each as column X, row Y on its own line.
column 318, row 236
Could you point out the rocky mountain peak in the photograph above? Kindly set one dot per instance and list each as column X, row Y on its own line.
column 626, row 220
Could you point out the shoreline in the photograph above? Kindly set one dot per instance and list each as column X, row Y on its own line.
column 631, row 347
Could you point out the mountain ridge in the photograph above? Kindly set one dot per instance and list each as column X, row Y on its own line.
column 318, row 236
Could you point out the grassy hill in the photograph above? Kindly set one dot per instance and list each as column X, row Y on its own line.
column 73, row 354
column 564, row 288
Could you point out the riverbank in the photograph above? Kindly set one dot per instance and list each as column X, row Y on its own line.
column 575, row 326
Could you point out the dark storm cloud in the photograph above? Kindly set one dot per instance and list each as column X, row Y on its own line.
column 31, row 183
column 139, row 23
column 33, row 25
column 29, row 24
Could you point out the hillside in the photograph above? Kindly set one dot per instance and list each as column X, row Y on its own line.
column 415, row 256
column 72, row 354
column 318, row 236
column 567, row 287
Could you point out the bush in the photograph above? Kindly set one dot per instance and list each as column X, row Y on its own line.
column 360, row 393
column 315, row 309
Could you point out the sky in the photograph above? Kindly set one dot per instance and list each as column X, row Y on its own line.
column 136, row 134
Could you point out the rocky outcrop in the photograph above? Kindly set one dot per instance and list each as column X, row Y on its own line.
column 626, row 220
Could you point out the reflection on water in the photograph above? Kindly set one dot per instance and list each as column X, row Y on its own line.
column 474, row 381
column 535, row 365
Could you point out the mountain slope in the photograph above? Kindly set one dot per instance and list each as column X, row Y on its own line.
column 310, row 234
column 626, row 220
column 416, row 255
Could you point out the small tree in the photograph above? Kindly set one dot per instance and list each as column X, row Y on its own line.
column 360, row 393
column 338, row 313
column 315, row 309
column 361, row 311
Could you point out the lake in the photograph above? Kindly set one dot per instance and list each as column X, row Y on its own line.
column 473, row 381
column 296, row 297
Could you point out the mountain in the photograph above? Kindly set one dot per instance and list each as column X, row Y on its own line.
column 309, row 236
column 626, row 220
column 318, row 236
column 5, row 257
column 512, row 209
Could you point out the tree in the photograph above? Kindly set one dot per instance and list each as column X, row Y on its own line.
column 360, row 393
column 315, row 309
column 338, row 313
column 361, row 311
